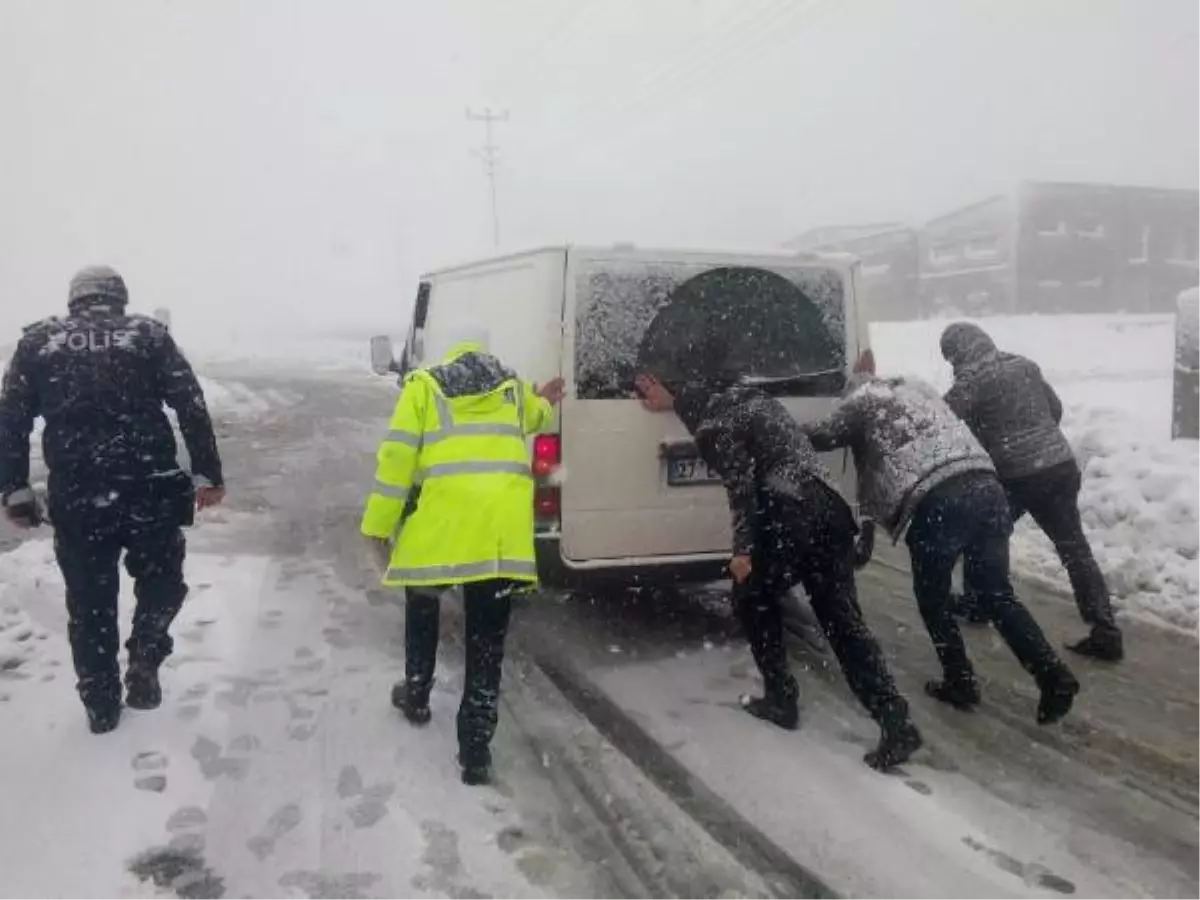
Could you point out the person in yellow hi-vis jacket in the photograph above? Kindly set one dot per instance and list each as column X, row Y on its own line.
column 453, row 499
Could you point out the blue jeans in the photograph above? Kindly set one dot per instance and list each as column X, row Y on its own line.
column 969, row 516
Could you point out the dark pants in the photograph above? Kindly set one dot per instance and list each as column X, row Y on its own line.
column 488, row 607
column 811, row 542
column 89, row 562
column 1052, row 499
column 93, row 524
column 968, row 516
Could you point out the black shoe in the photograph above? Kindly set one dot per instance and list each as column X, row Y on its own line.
column 415, row 709
column 898, row 740
column 142, row 690
column 784, row 713
column 476, row 773
column 103, row 719
column 1104, row 643
column 1058, row 695
column 476, row 776
column 962, row 693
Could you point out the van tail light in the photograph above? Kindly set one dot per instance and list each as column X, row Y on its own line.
column 547, row 454
column 866, row 363
column 547, row 503
column 547, row 498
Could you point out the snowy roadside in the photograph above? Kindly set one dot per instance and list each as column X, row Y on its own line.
column 1140, row 489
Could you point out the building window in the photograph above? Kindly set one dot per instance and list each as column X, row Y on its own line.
column 1142, row 247
column 1059, row 229
column 982, row 248
column 1050, row 284
column 939, row 254
column 1091, row 283
column 1092, row 229
column 878, row 270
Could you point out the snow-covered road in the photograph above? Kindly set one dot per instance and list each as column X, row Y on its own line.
column 276, row 766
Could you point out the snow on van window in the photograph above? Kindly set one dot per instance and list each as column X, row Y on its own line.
column 617, row 302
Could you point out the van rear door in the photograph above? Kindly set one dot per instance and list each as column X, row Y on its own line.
column 633, row 487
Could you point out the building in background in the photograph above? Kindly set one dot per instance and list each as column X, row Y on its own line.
column 889, row 252
column 1045, row 247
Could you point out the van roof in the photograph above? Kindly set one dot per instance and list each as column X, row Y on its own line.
column 838, row 260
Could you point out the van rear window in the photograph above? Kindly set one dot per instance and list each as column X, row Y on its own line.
column 751, row 323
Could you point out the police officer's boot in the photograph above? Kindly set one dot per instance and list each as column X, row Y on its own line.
column 412, row 699
column 959, row 691
column 476, row 770
column 1104, row 643
column 102, row 702
column 142, row 688
column 1059, row 687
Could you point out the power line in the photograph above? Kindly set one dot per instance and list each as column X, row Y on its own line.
column 489, row 153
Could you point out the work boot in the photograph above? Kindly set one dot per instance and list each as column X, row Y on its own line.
column 898, row 740
column 1105, row 643
column 1058, row 694
column 412, row 702
column 102, row 702
column 961, row 693
column 142, row 689
column 781, row 711
column 475, row 772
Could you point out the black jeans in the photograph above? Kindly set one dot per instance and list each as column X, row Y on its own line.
column 488, row 608
column 811, row 542
column 89, row 560
column 968, row 516
column 1052, row 499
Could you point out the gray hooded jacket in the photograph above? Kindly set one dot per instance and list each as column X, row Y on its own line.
column 905, row 441
column 1005, row 402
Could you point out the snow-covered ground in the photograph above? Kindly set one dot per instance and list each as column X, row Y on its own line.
column 275, row 766
column 1140, row 488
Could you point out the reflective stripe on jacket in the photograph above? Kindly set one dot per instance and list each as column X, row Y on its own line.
column 453, row 487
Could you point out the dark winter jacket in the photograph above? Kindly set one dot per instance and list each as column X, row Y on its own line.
column 1006, row 402
column 100, row 378
column 905, row 442
column 757, row 448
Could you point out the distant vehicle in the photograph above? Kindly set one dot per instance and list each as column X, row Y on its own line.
column 1185, row 417
column 621, row 493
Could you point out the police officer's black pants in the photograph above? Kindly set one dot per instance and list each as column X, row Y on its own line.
column 487, row 607
column 811, row 541
column 1052, row 499
column 89, row 559
column 969, row 516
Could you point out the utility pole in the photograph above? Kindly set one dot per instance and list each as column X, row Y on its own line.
column 489, row 153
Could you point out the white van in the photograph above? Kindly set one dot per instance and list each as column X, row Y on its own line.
column 621, row 494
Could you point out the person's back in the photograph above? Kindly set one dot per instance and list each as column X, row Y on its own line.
column 97, row 374
column 905, row 442
column 784, row 457
column 1006, row 402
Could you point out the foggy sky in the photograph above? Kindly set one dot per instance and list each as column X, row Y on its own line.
column 303, row 160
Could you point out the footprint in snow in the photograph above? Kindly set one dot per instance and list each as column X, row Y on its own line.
column 150, row 766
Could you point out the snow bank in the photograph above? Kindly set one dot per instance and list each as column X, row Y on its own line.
column 1140, row 488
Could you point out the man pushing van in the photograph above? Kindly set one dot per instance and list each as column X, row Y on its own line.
column 790, row 524
column 453, row 500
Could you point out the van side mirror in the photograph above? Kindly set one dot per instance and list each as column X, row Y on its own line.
column 383, row 360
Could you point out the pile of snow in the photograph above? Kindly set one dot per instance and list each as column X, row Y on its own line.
column 1140, row 488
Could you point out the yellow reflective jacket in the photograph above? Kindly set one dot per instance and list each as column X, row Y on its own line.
column 453, row 485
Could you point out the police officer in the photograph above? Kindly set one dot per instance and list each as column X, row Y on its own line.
column 99, row 378
column 453, row 497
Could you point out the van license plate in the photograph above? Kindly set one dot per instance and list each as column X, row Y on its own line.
column 689, row 471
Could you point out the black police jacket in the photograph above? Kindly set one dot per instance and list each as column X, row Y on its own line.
column 99, row 379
